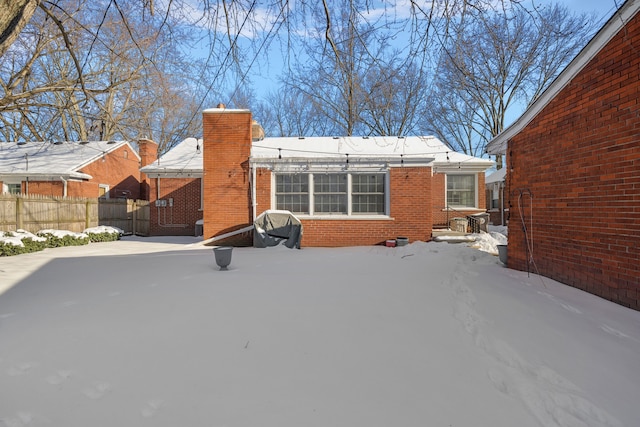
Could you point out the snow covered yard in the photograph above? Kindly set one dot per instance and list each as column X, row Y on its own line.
column 148, row 332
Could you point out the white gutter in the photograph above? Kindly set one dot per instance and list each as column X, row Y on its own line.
column 253, row 193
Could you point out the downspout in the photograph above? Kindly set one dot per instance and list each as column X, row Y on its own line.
column 502, row 203
column 252, row 183
column 64, row 187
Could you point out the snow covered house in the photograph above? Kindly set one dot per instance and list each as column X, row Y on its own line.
column 107, row 169
column 573, row 169
column 345, row 190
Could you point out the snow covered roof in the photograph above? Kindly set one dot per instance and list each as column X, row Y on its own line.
column 497, row 176
column 53, row 159
column 423, row 150
column 183, row 159
column 618, row 20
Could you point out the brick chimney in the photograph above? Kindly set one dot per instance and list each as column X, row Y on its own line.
column 226, row 149
column 148, row 151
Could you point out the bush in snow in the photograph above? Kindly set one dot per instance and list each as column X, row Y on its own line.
column 20, row 242
column 58, row 238
column 103, row 233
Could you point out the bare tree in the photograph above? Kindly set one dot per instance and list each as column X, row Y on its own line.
column 289, row 113
column 396, row 94
column 120, row 79
column 14, row 15
column 127, row 81
column 498, row 61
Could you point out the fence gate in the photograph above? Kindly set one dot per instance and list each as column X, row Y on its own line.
column 131, row 216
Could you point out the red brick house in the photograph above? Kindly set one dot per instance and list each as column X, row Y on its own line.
column 73, row 169
column 573, row 169
column 174, row 185
column 345, row 190
column 495, row 198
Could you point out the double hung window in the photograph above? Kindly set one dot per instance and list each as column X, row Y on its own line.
column 461, row 190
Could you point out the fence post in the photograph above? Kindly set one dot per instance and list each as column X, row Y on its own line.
column 134, row 217
column 87, row 214
column 19, row 209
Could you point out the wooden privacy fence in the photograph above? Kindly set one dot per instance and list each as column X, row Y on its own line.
column 34, row 213
column 132, row 216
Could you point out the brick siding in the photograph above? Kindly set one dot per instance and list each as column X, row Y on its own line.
column 120, row 170
column 179, row 219
column 410, row 216
column 226, row 148
column 580, row 158
column 148, row 152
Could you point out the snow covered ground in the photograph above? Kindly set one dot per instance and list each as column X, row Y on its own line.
column 148, row 332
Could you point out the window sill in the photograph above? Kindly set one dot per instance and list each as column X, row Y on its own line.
column 463, row 209
column 346, row 217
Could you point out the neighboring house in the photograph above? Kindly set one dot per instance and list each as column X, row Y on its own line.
column 175, row 187
column 496, row 202
column 573, row 169
column 107, row 169
column 345, row 190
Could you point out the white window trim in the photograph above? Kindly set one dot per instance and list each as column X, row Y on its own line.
column 446, row 192
column 349, row 215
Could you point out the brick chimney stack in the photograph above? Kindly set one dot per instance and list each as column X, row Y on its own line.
column 148, row 151
column 226, row 149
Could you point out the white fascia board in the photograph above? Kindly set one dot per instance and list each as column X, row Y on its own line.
column 173, row 173
column 45, row 176
column 352, row 163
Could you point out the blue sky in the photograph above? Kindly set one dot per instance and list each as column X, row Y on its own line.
column 266, row 78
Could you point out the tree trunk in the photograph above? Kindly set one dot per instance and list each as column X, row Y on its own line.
column 14, row 15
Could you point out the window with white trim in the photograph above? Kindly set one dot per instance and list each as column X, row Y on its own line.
column 292, row 192
column 461, row 190
column 330, row 193
column 333, row 193
column 14, row 188
column 367, row 193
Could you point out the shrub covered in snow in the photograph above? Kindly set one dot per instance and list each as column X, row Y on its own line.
column 57, row 238
column 20, row 242
column 103, row 233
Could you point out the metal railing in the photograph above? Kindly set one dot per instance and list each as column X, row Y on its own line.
column 475, row 223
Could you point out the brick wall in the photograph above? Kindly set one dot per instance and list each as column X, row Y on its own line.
column 46, row 188
column 580, row 158
column 410, row 216
column 179, row 219
column 226, row 149
column 81, row 189
column 148, row 152
column 120, row 170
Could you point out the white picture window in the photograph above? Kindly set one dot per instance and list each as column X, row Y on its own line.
column 334, row 193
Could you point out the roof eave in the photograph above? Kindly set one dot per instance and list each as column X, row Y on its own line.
column 49, row 176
